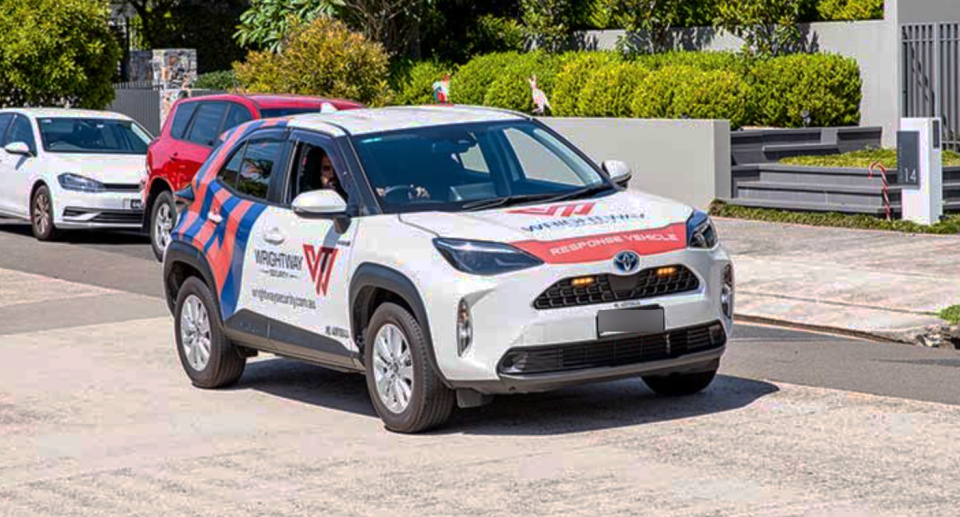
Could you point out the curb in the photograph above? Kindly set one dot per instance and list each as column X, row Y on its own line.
column 907, row 336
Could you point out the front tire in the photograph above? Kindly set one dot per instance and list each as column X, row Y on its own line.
column 163, row 218
column 41, row 215
column 405, row 390
column 680, row 384
column 207, row 356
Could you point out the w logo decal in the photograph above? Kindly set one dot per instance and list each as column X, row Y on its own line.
column 557, row 210
column 320, row 263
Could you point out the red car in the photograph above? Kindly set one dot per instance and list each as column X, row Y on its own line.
column 190, row 133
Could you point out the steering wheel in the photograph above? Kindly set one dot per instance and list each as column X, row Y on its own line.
column 399, row 193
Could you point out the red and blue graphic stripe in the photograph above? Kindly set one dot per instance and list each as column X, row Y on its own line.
column 223, row 243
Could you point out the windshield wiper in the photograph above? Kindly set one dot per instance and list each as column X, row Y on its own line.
column 583, row 192
column 485, row 204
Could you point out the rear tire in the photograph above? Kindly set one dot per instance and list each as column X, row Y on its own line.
column 163, row 219
column 680, row 384
column 209, row 359
column 41, row 215
column 405, row 390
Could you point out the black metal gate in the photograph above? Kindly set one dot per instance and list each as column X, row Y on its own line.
column 931, row 76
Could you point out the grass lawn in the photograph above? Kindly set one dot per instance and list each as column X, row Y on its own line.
column 863, row 159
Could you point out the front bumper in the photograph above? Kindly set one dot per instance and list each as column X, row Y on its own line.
column 504, row 319
column 79, row 210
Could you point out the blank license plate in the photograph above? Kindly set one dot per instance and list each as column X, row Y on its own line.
column 630, row 321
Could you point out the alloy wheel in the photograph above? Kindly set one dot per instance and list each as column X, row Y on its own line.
column 41, row 213
column 195, row 333
column 393, row 368
column 163, row 226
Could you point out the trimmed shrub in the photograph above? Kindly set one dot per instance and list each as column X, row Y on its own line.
column 653, row 98
column 416, row 87
column 705, row 61
column 609, row 90
column 573, row 77
column 471, row 83
column 850, row 9
column 321, row 58
column 512, row 91
column 714, row 94
column 224, row 80
column 807, row 89
column 56, row 53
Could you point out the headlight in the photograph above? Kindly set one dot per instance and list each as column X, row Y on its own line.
column 76, row 182
column 484, row 258
column 700, row 231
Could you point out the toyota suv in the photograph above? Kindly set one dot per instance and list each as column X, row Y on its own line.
column 190, row 133
column 449, row 254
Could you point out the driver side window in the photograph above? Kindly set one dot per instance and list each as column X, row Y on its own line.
column 22, row 131
column 316, row 168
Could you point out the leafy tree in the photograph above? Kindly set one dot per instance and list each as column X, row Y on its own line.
column 268, row 22
column 322, row 58
column 549, row 23
column 394, row 23
column 56, row 52
column 456, row 30
column 850, row 9
column 767, row 27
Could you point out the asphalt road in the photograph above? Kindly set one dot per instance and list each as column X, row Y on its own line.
column 96, row 418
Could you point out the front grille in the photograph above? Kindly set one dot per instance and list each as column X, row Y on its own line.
column 612, row 288
column 619, row 351
column 119, row 217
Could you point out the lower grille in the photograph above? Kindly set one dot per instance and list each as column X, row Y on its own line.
column 122, row 187
column 118, row 217
column 619, row 351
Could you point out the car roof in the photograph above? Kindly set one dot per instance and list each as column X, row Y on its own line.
column 273, row 101
column 376, row 120
column 65, row 113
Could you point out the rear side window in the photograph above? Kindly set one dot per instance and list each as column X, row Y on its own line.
column 181, row 119
column 22, row 131
column 258, row 164
column 228, row 174
column 236, row 116
column 206, row 124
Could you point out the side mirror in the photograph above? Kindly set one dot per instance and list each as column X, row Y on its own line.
column 320, row 203
column 20, row 148
column 323, row 204
column 618, row 171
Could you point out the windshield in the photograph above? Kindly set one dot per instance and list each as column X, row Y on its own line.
column 92, row 135
column 473, row 166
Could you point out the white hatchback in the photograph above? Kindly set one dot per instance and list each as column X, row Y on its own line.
column 71, row 169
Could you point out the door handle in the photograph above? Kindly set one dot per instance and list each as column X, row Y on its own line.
column 274, row 236
column 215, row 217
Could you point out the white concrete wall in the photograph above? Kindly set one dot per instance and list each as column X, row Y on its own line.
column 685, row 160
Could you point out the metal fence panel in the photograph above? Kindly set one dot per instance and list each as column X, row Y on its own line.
column 931, row 76
column 140, row 105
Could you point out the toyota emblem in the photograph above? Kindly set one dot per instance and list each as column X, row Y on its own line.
column 626, row 262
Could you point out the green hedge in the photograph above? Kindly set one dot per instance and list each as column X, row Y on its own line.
column 789, row 91
column 224, row 80
column 824, row 87
column 850, row 9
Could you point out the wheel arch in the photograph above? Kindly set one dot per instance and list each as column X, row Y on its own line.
column 156, row 187
column 183, row 261
column 373, row 285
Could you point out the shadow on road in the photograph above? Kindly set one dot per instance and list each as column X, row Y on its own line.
column 107, row 237
column 584, row 408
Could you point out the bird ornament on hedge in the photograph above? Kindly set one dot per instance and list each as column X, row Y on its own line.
column 441, row 90
column 540, row 101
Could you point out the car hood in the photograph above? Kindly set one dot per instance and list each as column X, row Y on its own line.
column 105, row 168
column 571, row 231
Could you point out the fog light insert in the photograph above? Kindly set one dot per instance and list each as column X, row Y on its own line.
column 464, row 328
column 726, row 292
column 582, row 281
column 667, row 271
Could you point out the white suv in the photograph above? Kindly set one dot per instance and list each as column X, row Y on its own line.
column 71, row 169
column 449, row 253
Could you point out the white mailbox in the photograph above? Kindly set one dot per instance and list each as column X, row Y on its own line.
column 920, row 169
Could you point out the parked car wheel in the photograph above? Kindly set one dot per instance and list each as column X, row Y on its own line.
column 41, row 215
column 679, row 384
column 406, row 392
column 207, row 356
column 163, row 218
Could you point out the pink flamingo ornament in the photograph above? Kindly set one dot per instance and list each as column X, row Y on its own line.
column 540, row 101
